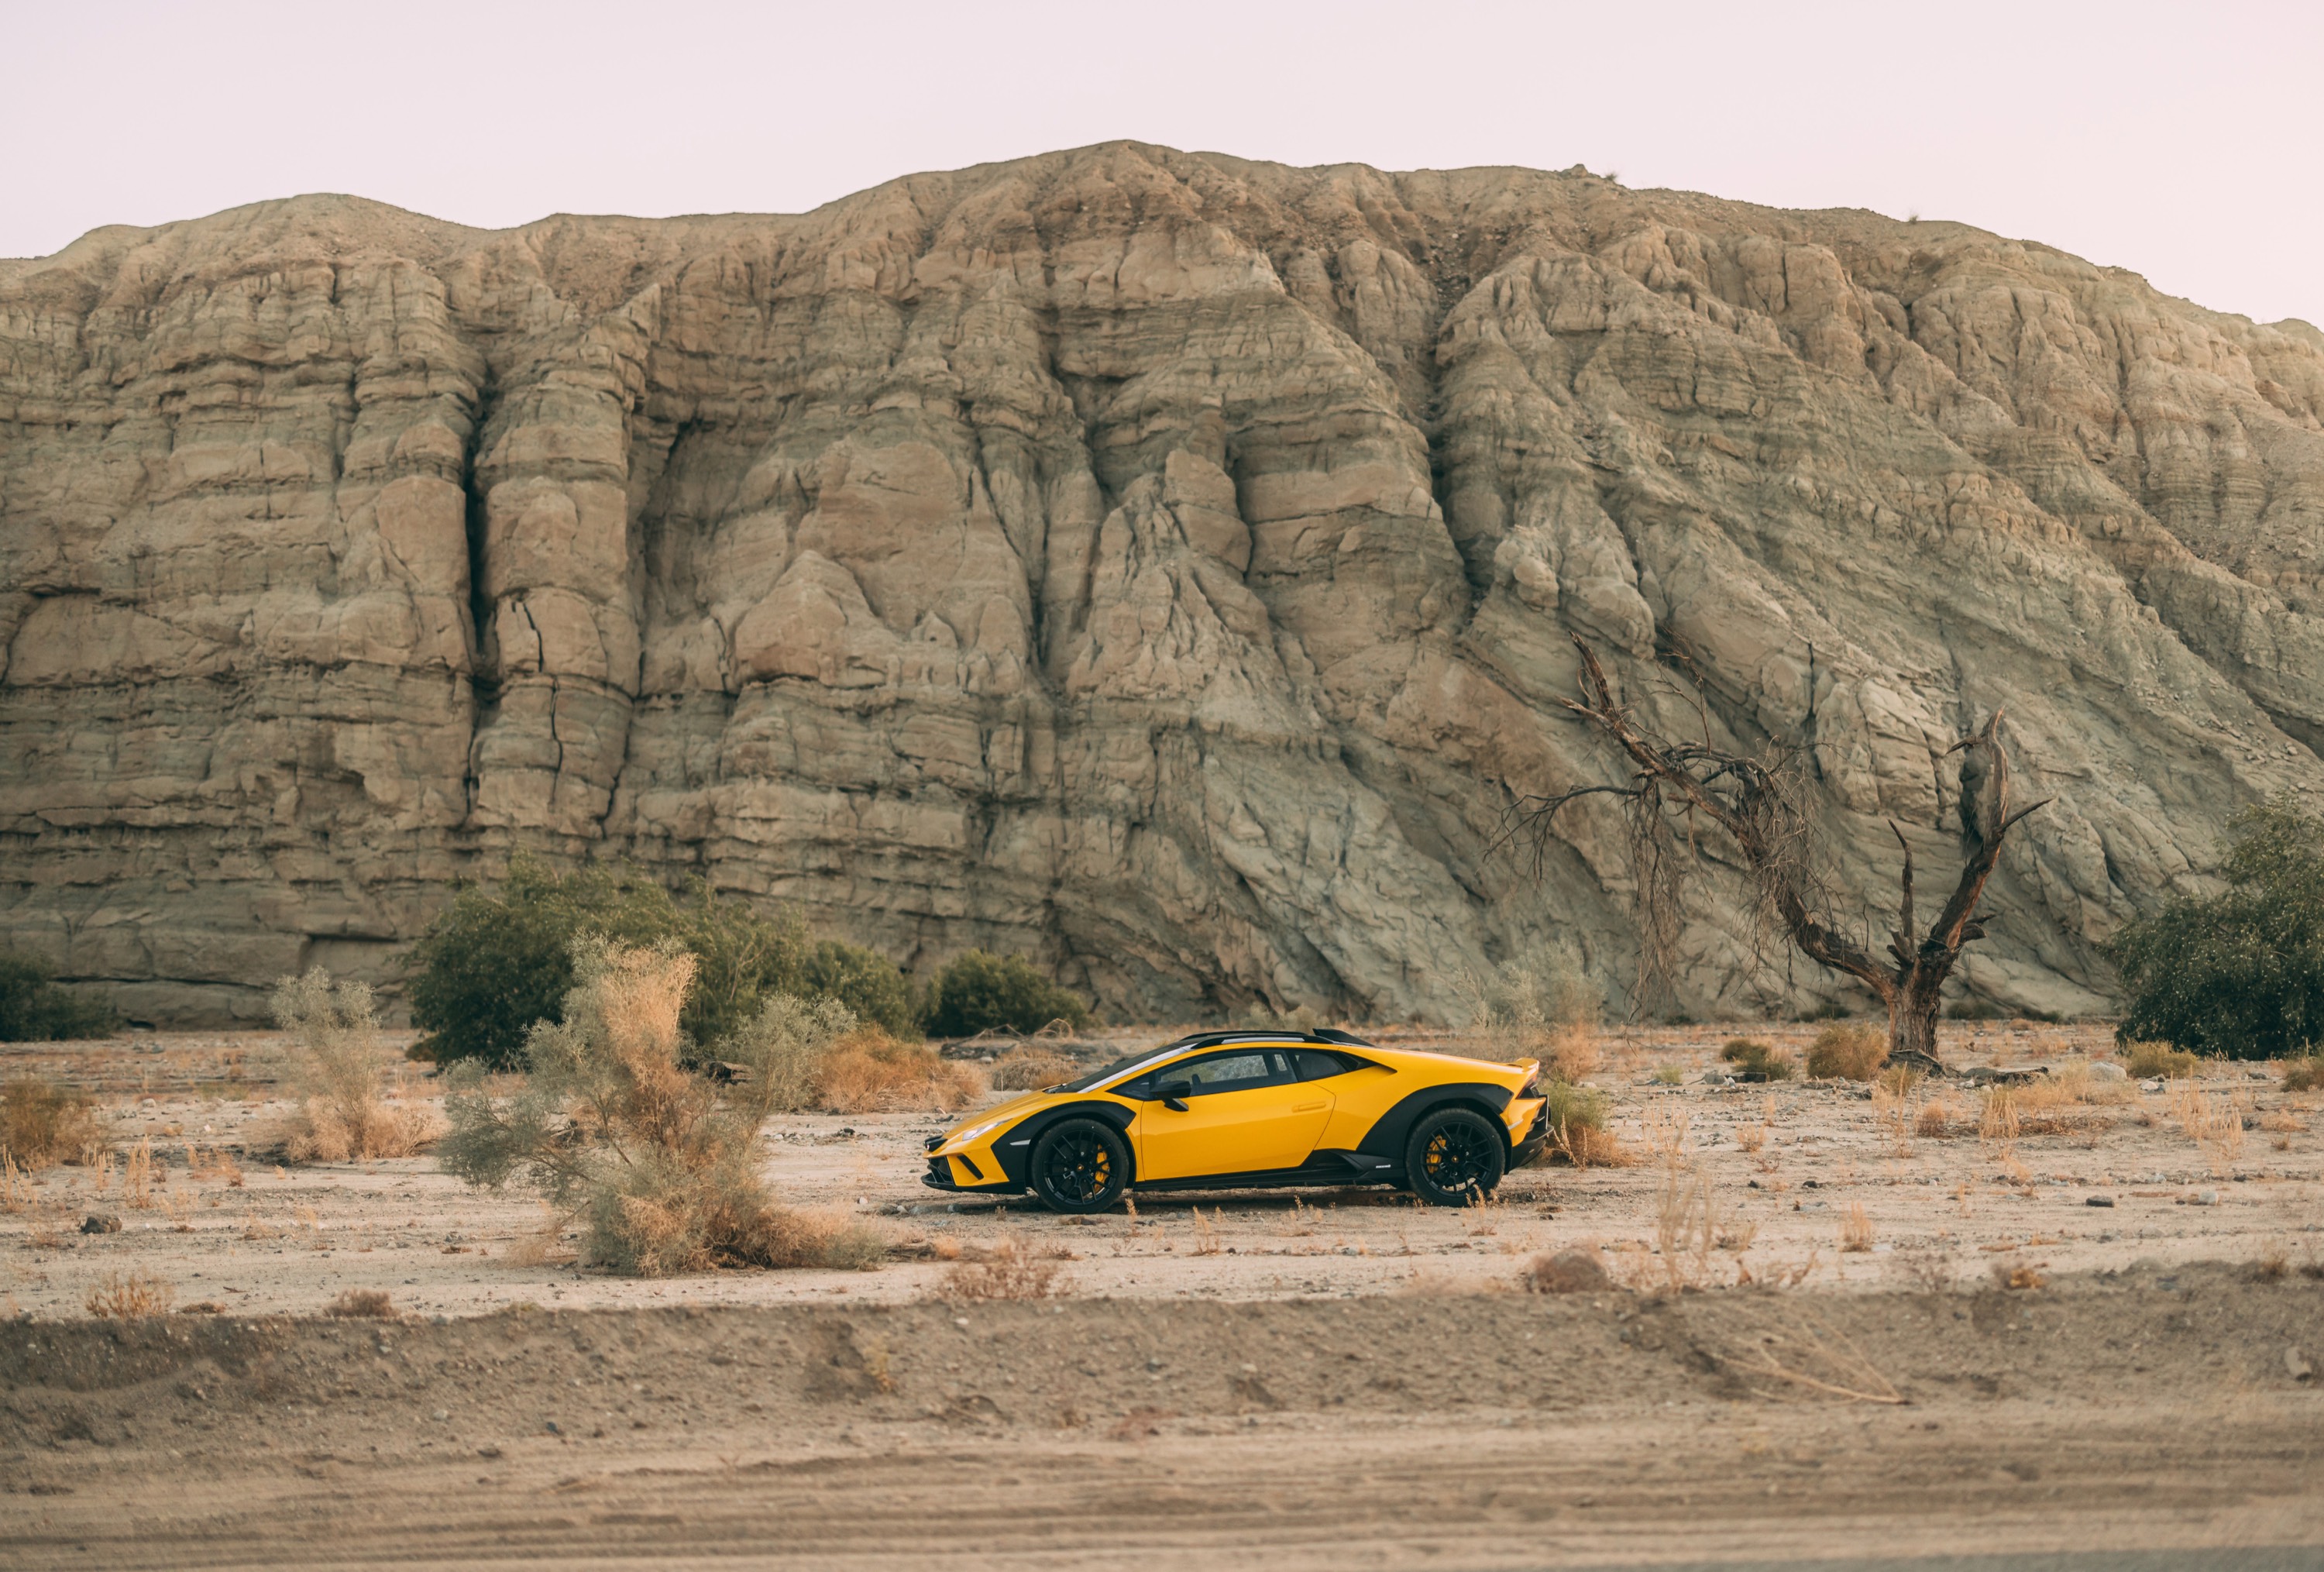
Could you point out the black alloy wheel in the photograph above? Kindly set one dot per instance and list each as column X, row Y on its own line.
column 1082, row 1165
column 1455, row 1156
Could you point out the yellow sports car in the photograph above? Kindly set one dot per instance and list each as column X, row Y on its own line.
column 1235, row 1109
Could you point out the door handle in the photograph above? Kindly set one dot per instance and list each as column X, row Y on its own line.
column 1309, row 1107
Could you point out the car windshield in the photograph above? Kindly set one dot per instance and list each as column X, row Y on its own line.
column 1098, row 1077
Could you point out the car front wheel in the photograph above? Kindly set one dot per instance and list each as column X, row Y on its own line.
column 1082, row 1165
column 1455, row 1156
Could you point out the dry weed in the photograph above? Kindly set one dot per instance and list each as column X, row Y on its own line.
column 178, row 1205
column 217, row 1163
column 2304, row 1074
column 1577, row 1127
column 1010, row 1269
column 1690, row 1223
column 1757, row 1059
column 123, row 1297
column 339, row 1070
column 2214, row 1124
column 42, row 1124
column 2146, row 1060
column 1847, row 1051
column 1206, row 1233
column 1029, row 1069
column 1547, row 1011
column 1806, row 1351
column 867, row 1071
column 137, row 1175
column 1896, row 1116
column 1855, row 1230
column 363, row 1303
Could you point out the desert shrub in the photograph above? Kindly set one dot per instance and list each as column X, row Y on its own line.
column 1754, row 1057
column 363, row 1304
column 1847, row 1052
column 42, row 1124
column 659, row 1163
column 869, row 1072
column 783, row 1047
column 2145, row 1061
column 866, row 982
column 498, row 960
column 2239, row 975
column 978, row 992
column 1577, row 1117
column 339, row 1071
column 34, row 1009
column 2304, row 1074
column 1027, row 1069
column 1546, row 1010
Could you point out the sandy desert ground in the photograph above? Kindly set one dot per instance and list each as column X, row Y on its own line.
column 1836, row 1365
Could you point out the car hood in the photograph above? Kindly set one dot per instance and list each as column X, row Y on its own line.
column 984, row 1119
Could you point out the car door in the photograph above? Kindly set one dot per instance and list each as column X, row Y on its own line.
column 1246, row 1112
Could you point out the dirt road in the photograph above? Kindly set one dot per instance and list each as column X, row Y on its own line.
column 2138, row 1410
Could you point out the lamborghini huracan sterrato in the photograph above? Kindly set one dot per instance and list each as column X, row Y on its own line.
column 1230, row 1110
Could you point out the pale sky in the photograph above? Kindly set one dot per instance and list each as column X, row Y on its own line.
column 2179, row 141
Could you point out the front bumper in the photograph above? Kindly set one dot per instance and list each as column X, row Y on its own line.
column 1534, row 1142
column 959, row 1175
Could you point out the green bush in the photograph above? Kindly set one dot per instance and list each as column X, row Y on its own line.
column 498, row 960
column 979, row 990
column 2239, row 975
column 33, row 1009
column 867, row 983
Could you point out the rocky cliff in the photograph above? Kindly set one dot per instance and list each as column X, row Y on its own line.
column 1157, row 563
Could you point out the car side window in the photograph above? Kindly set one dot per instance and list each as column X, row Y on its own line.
column 1234, row 1070
column 1317, row 1066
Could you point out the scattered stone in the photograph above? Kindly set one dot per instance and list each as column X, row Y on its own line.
column 2098, row 1201
column 2297, row 1365
column 2103, row 1070
column 101, row 1222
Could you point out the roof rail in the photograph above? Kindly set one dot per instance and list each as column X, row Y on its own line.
column 1330, row 1035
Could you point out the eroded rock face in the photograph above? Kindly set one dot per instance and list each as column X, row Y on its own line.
column 1160, row 564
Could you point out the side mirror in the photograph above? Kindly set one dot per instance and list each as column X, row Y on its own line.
column 1173, row 1095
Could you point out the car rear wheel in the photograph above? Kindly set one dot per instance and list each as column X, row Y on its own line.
column 1080, row 1166
column 1454, row 1157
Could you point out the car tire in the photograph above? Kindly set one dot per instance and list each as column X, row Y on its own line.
column 1080, row 1165
column 1456, row 1157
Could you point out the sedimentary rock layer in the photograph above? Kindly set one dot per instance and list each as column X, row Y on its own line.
column 1157, row 563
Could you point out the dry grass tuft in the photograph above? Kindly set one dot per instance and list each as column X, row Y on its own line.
column 1029, row 1069
column 2214, row 1124
column 2146, row 1060
column 42, row 1124
column 2304, row 1074
column 137, row 1175
column 1855, row 1230
column 1938, row 1118
column 867, row 1071
column 1010, row 1269
column 340, row 1071
column 363, row 1303
column 125, row 1297
column 1755, row 1057
column 217, row 1163
column 1847, row 1051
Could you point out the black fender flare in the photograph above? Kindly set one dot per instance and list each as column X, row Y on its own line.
column 1392, row 1129
column 1014, row 1146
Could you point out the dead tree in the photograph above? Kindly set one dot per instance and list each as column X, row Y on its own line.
column 1768, row 823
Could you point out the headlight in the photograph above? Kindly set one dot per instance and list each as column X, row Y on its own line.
column 969, row 1136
